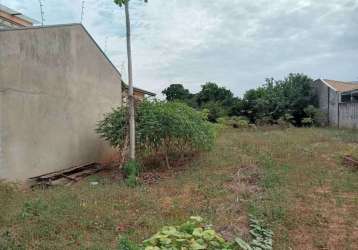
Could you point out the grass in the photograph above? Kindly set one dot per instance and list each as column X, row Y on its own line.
column 292, row 179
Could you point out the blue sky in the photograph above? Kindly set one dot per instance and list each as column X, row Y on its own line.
column 236, row 43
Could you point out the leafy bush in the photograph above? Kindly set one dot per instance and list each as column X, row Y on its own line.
column 168, row 127
column 316, row 116
column 307, row 121
column 278, row 98
column 235, row 121
column 193, row 234
column 190, row 235
column 125, row 244
column 262, row 237
column 131, row 168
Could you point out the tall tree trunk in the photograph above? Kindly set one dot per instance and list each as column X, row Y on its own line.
column 130, row 88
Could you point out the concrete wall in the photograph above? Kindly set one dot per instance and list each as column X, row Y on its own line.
column 328, row 100
column 55, row 84
column 333, row 107
column 348, row 115
column 322, row 94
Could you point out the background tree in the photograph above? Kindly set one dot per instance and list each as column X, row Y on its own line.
column 276, row 100
column 120, row 3
column 176, row 92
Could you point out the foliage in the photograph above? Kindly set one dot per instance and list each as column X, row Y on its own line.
column 168, row 127
column 235, row 121
column 219, row 101
column 190, row 235
column 263, row 105
column 131, row 171
column 307, row 121
column 211, row 92
column 215, row 110
column 176, row 92
column 262, row 237
column 316, row 116
column 114, row 127
column 279, row 98
column 125, row 244
column 33, row 208
column 120, row 3
column 131, row 168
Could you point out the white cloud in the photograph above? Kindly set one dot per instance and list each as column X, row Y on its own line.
column 237, row 43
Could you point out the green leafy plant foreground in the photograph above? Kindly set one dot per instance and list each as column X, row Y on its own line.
column 190, row 235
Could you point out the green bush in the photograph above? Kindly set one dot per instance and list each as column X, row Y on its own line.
column 125, row 244
column 167, row 127
column 131, row 172
column 191, row 235
column 131, row 168
column 234, row 121
column 314, row 116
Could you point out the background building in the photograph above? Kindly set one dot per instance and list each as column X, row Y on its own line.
column 338, row 100
column 13, row 19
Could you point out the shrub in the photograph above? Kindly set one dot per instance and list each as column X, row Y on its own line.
column 131, row 168
column 235, row 121
column 125, row 244
column 131, row 171
column 316, row 116
column 307, row 121
column 168, row 127
column 191, row 235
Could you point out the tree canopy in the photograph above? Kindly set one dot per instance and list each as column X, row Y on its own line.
column 276, row 99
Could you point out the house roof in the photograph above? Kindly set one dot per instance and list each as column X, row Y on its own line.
column 340, row 86
column 139, row 90
column 16, row 13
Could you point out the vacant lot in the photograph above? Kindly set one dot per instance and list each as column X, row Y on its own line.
column 293, row 179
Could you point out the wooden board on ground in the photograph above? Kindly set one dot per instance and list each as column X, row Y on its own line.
column 65, row 176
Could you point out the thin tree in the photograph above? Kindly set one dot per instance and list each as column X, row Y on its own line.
column 120, row 3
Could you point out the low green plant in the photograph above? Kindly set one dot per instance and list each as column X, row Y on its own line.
column 125, row 244
column 131, row 168
column 307, row 121
column 262, row 237
column 317, row 117
column 131, row 171
column 193, row 234
column 234, row 121
column 33, row 208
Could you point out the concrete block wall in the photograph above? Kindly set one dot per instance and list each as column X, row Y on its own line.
column 55, row 85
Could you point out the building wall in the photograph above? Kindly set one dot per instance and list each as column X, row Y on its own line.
column 333, row 107
column 348, row 115
column 55, row 85
column 328, row 100
column 322, row 93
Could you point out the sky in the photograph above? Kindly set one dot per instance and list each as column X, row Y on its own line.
column 235, row 43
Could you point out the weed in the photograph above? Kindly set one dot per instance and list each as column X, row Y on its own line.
column 125, row 244
column 33, row 208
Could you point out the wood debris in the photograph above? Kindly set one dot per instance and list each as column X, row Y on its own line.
column 350, row 162
column 66, row 176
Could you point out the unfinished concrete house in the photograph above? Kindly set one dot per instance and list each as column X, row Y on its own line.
column 55, row 85
column 339, row 101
